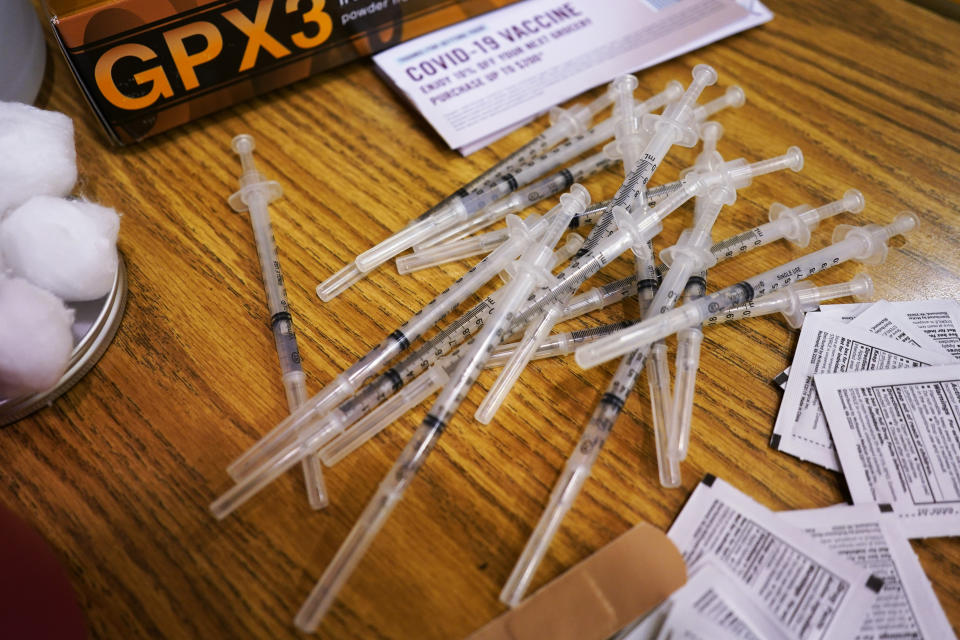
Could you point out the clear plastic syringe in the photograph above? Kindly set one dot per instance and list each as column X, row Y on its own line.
column 577, row 468
column 866, row 244
column 348, row 382
column 733, row 97
column 792, row 224
column 254, row 195
column 519, row 200
column 527, row 270
column 792, row 302
column 564, row 123
column 486, row 242
column 600, row 297
column 677, row 125
column 426, row 384
column 628, row 145
column 522, row 174
column 514, row 203
column 311, row 435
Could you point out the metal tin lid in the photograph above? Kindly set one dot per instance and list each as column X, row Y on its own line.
column 95, row 324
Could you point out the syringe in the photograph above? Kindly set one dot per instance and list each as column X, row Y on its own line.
column 564, row 123
column 628, row 145
column 521, row 174
column 311, row 434
column 426, row 384
column 254, row 195
column 350, row 380
column 686, row 365
column 486, row 242
column 792, row 302
column 866, row 244
column 600, row 297
column 514, row 203
column 733, row 97
column 519, row 200
column 530, row 268
column 629, row 230
column 632, row 229
column 577, row 468
column 677, row 125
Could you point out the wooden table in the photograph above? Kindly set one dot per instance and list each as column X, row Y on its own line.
column 118, row 474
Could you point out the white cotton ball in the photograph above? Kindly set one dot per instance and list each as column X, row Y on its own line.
column 37, row 154
column 35, row 338
column 68, row 247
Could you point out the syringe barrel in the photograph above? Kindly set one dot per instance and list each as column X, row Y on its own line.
column 639, row 335
column 266, row 251
column 282, row 460
column 384, row 415
column 411, row 235
column 775, row 302
column 366, row 528
column 290, row 428
column 575, row 473
column 658, row 377
column 561, row 499
column 559, row 344
column 687, row 363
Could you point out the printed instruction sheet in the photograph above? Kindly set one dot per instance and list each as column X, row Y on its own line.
column 883, row 318
column 871, row 537
column 480, row 78
column 839, row 312
column 713, row 605
column 811, row 591
column 898, row 437
column 828, row 346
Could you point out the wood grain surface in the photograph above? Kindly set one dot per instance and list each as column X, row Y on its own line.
column 119, row 472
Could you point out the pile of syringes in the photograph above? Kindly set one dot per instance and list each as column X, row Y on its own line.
column 539, row 276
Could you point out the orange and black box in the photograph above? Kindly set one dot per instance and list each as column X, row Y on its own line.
column 147, row 66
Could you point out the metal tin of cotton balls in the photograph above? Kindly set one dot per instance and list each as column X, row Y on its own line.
column 95, row 324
